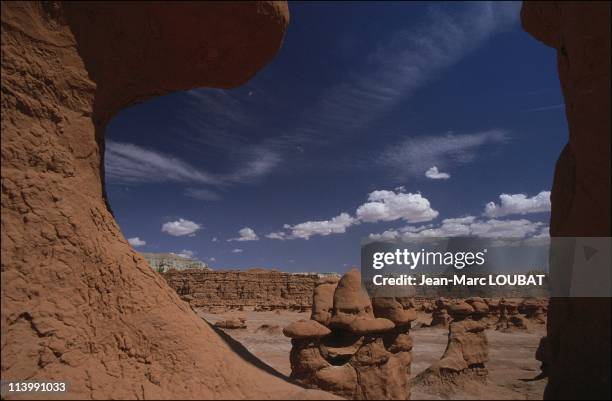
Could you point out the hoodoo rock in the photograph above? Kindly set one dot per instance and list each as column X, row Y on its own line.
column 534, row 310
column 78, row 302
column 440, row 316
column 509, row 317
column 578, row 329
column 365, row 355
column 466, row 352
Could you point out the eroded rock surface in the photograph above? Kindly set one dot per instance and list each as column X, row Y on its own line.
column 254, row 288
column 466, row 352
column 77, row 302
column 365, row 350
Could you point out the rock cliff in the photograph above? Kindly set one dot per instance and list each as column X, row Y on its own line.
column 576, row 351
column 233, row 289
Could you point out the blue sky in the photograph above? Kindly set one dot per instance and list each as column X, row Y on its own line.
column 374, row 119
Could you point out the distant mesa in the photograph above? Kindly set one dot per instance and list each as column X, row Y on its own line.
column 163, row 262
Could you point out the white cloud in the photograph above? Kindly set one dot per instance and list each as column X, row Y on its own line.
column 212, row 259
column 467, row 227
column 336, row 225
column 416, row 154
column 381, row 206
column 128, row 163
column 202, row 194
column 237, row 250
column 181, row 227
column 131, row 164
column 246, row 234
column 277, row 235
column 388, row 206
column 136, row 241
column 518, row 204
column 215, row 239
column 185, row 253
column 434, row 174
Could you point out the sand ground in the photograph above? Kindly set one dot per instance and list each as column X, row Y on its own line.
column 512, row 364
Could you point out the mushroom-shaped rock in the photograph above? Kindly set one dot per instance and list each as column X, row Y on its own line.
column 362, row 325
column 392, row 309
column 460, row 309
column 303, row 329
column 480, row 306
column 350, row 301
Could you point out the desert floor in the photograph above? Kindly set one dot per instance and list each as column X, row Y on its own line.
column 512, row 364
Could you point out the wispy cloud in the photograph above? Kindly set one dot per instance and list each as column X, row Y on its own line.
column 202, row 194
column 415, row 155
column 546, row 108
column 405, row 62
column 131, row 164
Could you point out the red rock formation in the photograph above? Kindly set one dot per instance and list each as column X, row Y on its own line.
column 578, row 340
column 255, row 288
column 367, row 352
column 440, row 316
column 466, row 352
column 77, row 302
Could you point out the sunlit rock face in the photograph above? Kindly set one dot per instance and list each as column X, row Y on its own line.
column 576, row 351
column 78, row 302
column 253, row 289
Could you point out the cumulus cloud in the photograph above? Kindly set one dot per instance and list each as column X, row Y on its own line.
column 417, row 154
column 389, row 205
column 518, row 204
column 280, row 235
column 180, row 227
column 469, row 226
column 237, row 250
column 215, row 239
column 245, row 234
column 382, row 205
column 336, row 225
column 136, row 241
column 434, row 174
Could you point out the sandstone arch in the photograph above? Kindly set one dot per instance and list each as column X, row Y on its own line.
column 77, row 302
